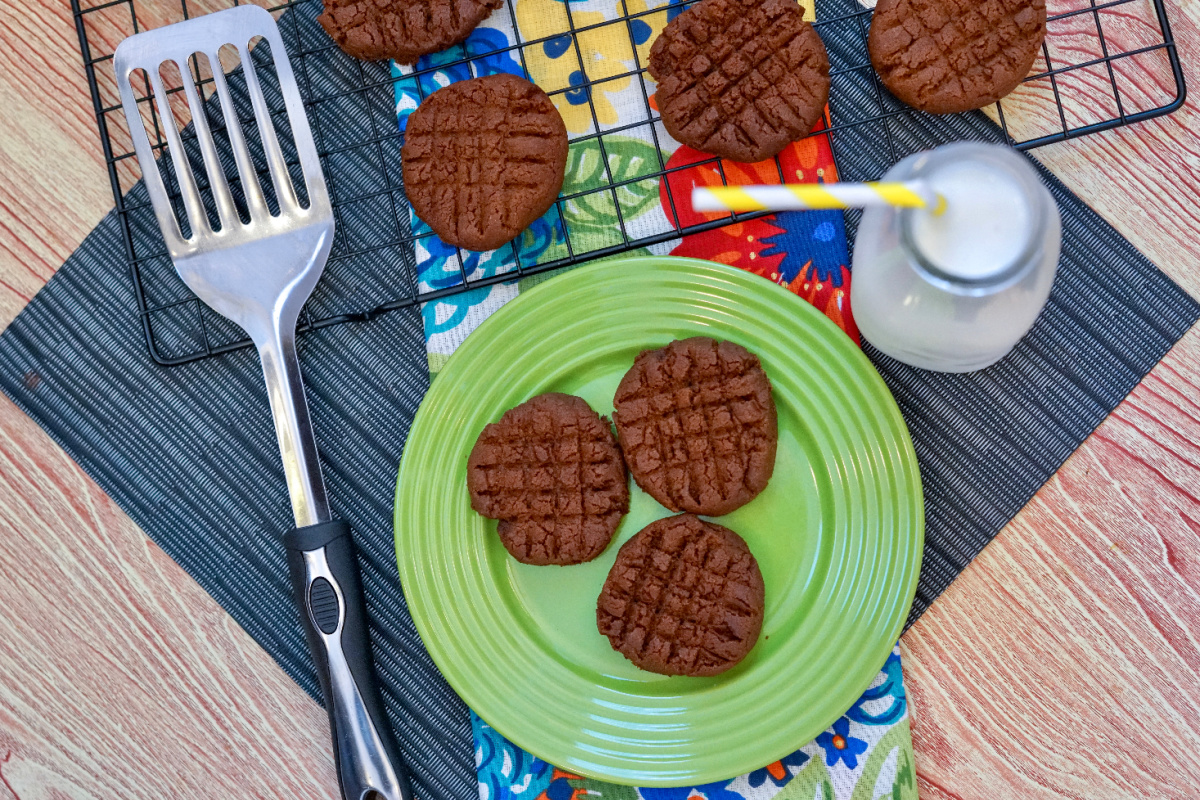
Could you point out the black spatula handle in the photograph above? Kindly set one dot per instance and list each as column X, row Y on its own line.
column 325, row 580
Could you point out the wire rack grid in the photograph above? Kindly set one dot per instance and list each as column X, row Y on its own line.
column 1103, row 65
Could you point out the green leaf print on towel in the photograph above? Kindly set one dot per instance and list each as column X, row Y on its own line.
column 592, row 218
column 889, row 773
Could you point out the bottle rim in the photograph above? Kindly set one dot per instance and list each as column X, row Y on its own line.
column 1012, row 164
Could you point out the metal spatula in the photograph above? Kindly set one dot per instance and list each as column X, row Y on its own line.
column 259, row 274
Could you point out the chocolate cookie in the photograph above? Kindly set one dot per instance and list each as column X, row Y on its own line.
column 947, row 56
column 484, row 158
column 405, row 30
column 697, row 425
column 551, row 472
column 684, row 597
column 740, row 78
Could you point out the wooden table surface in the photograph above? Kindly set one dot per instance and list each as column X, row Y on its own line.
column 1063, row 663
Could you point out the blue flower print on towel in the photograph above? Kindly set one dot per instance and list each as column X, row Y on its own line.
column 505, row 771
column 886, row 703
column 780, row 772
column 437, row 265
column 488, row 50
column 839, row 745
column 709, row 791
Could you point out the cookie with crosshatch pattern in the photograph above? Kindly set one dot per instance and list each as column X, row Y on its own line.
column 740, row 78
column 374, row 30
column 684, row 597
column 697, row 424
column 483, row 158
column 949, row 56
column 551, row 472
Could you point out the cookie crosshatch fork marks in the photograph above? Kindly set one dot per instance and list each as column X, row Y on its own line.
column 551, row 473
column 698, row 425
column 983, row 52
column 483, row 159
column 1105, row 63
column 684, row 597
column 740, row 78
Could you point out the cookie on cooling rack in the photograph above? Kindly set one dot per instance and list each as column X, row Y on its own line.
column 484, row 158
column 697, row 425
column 684, row 597
column 551, row 472
column 405, row 30
column 949, row 56
column 740, row 78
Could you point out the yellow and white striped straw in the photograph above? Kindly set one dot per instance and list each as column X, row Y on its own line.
column 805, row 196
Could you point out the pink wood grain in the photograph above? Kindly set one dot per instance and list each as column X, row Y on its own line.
column 119, row 676
column 1064, row 663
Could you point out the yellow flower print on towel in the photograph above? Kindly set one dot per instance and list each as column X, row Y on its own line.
column 554, row 64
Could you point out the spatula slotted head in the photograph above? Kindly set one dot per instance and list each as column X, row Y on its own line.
column 256, row 262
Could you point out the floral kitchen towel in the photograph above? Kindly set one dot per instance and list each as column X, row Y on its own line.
column 867, row 753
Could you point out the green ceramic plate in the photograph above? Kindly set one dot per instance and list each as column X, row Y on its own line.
column 838, row 532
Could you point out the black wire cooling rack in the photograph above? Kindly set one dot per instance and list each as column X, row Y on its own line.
column 1104, row 65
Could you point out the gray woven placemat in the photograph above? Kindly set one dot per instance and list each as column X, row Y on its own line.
column 189, row 451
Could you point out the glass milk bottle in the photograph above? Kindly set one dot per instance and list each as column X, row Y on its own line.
column 956, row 292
